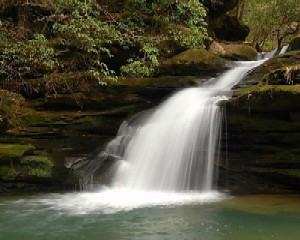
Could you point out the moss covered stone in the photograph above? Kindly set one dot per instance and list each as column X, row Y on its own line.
column 286, row 75
column 267, row 98
column 234, row 51
column 18, row 162
column 192, row 62
column 37, row 166
column 159, row 82
column 8, row 173
column 256, row 76
column 15, row 150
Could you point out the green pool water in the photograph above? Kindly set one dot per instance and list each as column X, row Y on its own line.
column 69, row 216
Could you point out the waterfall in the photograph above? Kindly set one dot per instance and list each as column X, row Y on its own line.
column 274, row 53
column 161, row 157
column 175, row 147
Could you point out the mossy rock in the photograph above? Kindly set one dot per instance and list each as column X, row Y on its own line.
column 158, row 82
column 283, row 76
column 267, row 98
column 8, row 173
column 193, row 62
column 27, row 168
column 283, row 61
column 234, row 51
column 14, row 151
column 37, row 166
column 73, row 92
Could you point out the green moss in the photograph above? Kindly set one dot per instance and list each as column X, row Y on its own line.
column 192, row 62
column 267, row 98
column 37, row 166
column 257, row 75
column 37, row 160
column 15, row 150
column 238, row 52
column 36, row 119
column 165, row 81
column 194, row 56
column 3, row 42
column 261, row 89
column 291, row 172
column 8, row 173
column 277, row 76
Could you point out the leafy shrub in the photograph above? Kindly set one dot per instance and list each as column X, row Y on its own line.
column 88, row 32
column 31, row 58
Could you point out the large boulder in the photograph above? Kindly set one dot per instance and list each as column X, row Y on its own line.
column 193, row 62
column 234, row 51
column 229, row 28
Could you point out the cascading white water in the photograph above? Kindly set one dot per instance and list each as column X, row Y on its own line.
column 175, row 148
column 275, row 52
column 161, row 155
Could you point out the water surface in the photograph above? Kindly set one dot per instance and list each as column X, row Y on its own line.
column 210, row 216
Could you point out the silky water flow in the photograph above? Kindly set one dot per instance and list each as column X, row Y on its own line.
column 175, row 147
column 164, row 156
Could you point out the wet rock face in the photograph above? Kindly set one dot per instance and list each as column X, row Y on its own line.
column 263, row 132
column 196, row 62
column 262, row 152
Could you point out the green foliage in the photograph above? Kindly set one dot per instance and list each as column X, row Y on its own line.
column 160, row 20
column 15, row 150
column 192, row 14
column 144, row 66
column 27, row 58
column 88, row 35
column 272, row 21
column 11, row 106
column 88, row 32
column 182, row 21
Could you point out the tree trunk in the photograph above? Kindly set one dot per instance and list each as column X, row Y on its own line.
column 23, row 16
column 240, row 7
